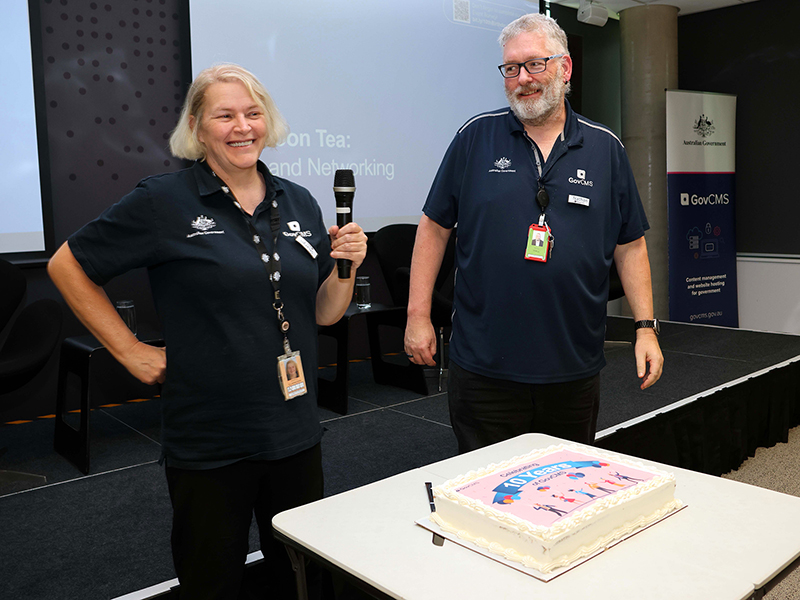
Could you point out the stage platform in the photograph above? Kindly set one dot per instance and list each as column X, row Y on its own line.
column 724, row 392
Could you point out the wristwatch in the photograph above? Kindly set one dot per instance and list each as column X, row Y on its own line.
column 652, row 324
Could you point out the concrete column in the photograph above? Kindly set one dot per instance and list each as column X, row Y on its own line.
column 649, row 55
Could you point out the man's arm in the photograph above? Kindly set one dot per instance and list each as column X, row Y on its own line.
column 633, row 267
column 429, row 247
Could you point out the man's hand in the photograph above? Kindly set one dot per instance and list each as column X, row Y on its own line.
column 429, row 247
column 420, row 341
column 648, row 354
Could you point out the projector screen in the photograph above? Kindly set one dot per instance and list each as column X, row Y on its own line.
column 374, row 86
column 22, row 228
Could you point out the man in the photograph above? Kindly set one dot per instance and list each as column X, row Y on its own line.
column 529, row 321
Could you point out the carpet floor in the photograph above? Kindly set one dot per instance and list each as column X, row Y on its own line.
column 106, row 535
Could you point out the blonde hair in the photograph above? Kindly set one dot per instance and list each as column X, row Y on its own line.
column 183, row 142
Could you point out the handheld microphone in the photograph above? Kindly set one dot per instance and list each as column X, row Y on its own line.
column 344, row 188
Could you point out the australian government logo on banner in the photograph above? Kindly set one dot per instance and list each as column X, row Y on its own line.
column 701, row 152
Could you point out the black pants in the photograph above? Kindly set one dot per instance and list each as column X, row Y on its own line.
column 484, row 410
column 212, row 511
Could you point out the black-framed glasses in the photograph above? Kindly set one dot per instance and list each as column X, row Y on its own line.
column 532, row 66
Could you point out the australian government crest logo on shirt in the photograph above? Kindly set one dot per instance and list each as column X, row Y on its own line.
column 502, row 166
column 204, row 226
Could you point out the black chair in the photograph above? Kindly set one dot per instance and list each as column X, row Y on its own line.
column 393, row 246
column 12, row 294
column 615, row 292
column 28, row 342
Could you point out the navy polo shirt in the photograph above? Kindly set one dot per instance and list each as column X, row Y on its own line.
column 221, row 399
column 518, row 319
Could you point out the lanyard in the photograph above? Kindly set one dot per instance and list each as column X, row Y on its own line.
column 542, row 198
column 272, row 263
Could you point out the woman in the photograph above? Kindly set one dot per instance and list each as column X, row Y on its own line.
column 291, row 370
column 241, row 269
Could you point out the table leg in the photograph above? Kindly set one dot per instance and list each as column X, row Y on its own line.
column 299, row 566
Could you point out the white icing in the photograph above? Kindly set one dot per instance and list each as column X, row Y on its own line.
column 581, row 534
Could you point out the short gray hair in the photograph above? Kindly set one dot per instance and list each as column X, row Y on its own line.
column 183, row 142
column 537, row 22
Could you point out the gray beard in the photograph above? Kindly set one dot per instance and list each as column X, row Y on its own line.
column 537, row 112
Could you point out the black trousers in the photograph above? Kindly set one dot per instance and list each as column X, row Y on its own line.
column 212, row 512
column 484, row 410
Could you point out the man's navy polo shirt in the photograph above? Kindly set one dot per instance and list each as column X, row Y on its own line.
column 221, row 400
column 518, row 319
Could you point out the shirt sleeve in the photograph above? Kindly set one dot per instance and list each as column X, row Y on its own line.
column 441, row 205
column 124, row 237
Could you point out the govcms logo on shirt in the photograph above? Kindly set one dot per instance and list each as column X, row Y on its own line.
column 581, row 179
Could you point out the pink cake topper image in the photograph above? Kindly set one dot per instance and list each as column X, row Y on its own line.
column 514, row 483
column 554, row 486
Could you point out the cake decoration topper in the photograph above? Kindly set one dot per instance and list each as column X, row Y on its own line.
column 507, row 490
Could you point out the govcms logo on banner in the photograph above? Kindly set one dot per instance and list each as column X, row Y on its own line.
column 710, row 200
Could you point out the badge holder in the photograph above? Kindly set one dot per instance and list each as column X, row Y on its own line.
column 540, row 238
column 538, row 247
column 290, row 366
column 290, row 373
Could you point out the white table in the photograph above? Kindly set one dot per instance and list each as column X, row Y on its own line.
column 729, row 542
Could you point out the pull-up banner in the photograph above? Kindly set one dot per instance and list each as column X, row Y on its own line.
column 701, row 153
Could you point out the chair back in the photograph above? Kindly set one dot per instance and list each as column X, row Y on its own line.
column 13, row 286
column 615, row 290
column 446, row 280
column 33, row 338
column 394, row 246
column 29, row 339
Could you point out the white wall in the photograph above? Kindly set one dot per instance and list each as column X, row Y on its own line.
column 769, row 293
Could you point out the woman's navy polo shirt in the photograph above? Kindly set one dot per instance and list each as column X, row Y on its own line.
column 518, row 319
column 221, row 399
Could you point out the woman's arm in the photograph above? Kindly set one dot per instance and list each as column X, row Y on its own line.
column 91, row 305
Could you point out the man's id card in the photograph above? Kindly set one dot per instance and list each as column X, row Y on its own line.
column 291, row 376
column 538, row 247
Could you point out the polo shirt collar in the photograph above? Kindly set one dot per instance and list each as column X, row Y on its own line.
column 207, row 184
column 572, row 134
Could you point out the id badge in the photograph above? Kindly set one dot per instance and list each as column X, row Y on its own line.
column 291, row 376
column 538, row 247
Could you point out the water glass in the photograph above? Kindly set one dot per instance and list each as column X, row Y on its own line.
column 127, row 311
column 363, row 300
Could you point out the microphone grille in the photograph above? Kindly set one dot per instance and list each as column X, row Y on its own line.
column 344, row 178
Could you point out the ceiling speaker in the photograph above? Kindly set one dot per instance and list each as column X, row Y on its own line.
column 592, row 13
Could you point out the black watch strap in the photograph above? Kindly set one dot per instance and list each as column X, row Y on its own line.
column 650, row 324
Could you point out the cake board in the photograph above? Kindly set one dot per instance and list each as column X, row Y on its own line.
column 426, row 523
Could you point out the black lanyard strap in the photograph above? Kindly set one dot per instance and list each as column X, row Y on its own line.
column 271, row 262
